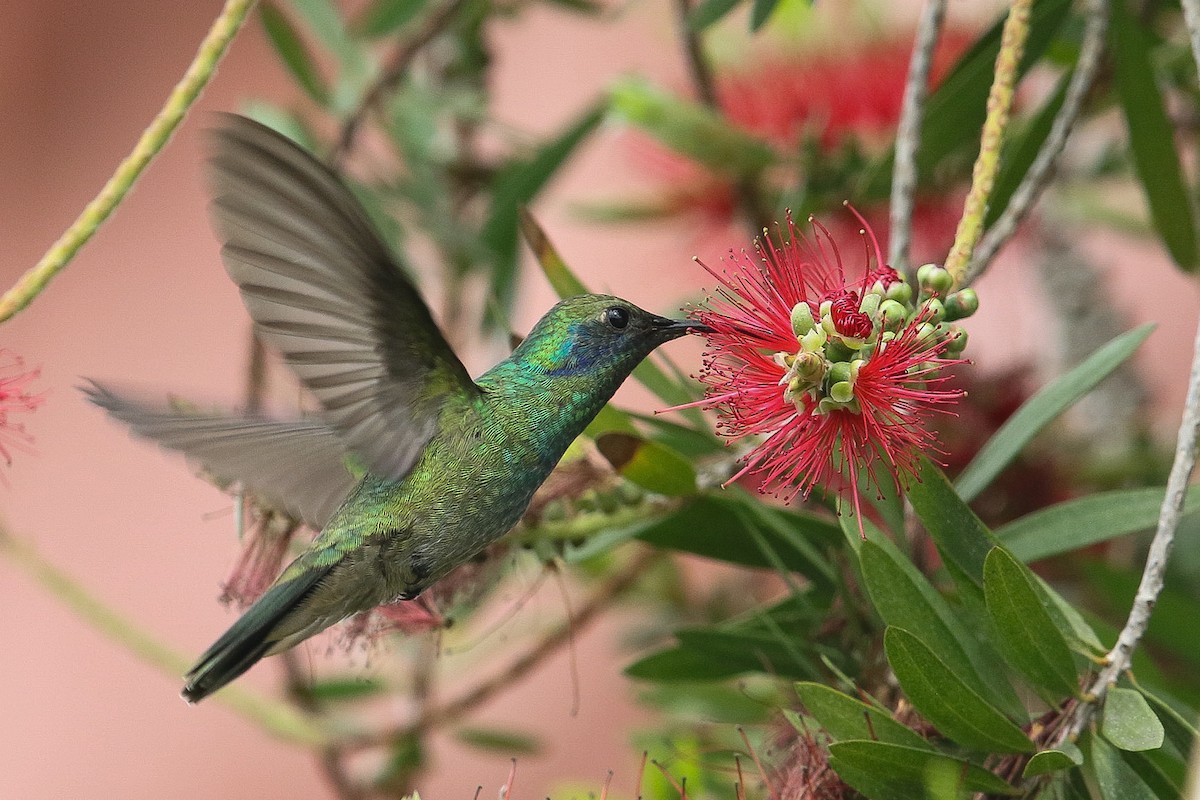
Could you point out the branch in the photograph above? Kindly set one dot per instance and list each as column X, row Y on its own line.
column 152, row 141
column 278, row 719
column 908, row 134
column 1038, row 176
column 392, row 75
column 746, row 189
column 999, row 103
column 601, row 599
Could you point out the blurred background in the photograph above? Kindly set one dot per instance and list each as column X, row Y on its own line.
column 147, row 304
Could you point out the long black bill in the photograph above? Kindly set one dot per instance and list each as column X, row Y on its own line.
column 674, row 328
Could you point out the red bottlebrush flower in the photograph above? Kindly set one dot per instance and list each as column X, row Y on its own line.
column 262, row 555
column 835, row 384
column 15, row 399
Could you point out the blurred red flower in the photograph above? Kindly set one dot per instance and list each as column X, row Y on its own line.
column 15, row 399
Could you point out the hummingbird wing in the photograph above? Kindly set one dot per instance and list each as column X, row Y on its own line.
column 298, row 466
column 327, row 293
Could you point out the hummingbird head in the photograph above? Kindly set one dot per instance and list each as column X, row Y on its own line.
column 597, row 335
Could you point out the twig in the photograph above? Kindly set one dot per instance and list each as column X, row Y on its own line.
column 1154, row 573
column 999, row 103
column 278, row 719
column 600, row 600
column 1038, row 176
column 908, row 133
column 152, row 141
column 392, row 74
column 746, row 189
column 1191, row 17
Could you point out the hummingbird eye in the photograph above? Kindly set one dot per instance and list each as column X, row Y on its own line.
column 617, row 317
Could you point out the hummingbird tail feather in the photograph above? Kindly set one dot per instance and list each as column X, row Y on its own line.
column 248, row 639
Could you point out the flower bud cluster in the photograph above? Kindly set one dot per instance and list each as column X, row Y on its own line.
column 839, row 337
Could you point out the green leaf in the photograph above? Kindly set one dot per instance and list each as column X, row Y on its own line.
column 1129, row 723
column 342, row 689
column 1027, row 636
column 383, row 17
column 653, row 466
column 1020, row 152
column 1180, row 730
column 1038, row 411
column 941, row 696
column 689, row 128
column 760, row 12
column 293, row 52
column 710, row 11
column 905, row 598
column 960, row 535
column 502, row 742
column 713, row 527
column 682, row 664
column 1165, row 775
column 692, row 442
column 323, row 19
column 1065, row 757
column 515, row 185
column 912, row 767
column 844, row 718
column 1152, row 137
column 1115, row 779
column 1086, row 521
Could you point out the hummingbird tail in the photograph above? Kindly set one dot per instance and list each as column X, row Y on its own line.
column 248, row 639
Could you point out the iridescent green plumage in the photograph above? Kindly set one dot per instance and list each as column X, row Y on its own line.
column 451, row 463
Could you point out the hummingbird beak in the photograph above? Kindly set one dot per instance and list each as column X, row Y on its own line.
column 674, row 328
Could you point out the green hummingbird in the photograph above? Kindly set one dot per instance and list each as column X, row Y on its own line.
column 412, row 467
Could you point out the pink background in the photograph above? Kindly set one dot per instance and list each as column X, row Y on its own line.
column 146, row 303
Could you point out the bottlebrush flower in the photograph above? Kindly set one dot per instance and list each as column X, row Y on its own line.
column 15, row 399
column 839, row 376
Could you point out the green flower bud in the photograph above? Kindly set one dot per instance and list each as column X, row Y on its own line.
column 956, row 340
column 809, row 367
column 935, row 312
column 900, row 292
column 962, row 304
column 802, row 319
column 839, row 372
column 892, row 313
column 869, row 304
column 842, row 392
column 934, row 280
column 814, row 340
column 925, row 332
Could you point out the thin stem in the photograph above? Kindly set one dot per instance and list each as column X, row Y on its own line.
column 908, row 134
column 152, row 141
column 746, row 189
column 987, row 164
column 1191, row 17
column 392, row 74
column 1038, row 176
column 278, row 719
column 601, row 599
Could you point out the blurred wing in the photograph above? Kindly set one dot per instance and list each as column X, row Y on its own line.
column 297, row 466
column 326, row 292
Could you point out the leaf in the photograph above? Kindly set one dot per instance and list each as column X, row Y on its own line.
column 293, row 52
column 689, row 128
column 502, row 742
column 1152, row 137
column 323, row 19
column 1038, row 411
column 383, row 17
column 1129, row 723
column 1066, row 756
column 843, row 717
column 760, row 12
column 941, row 696
column 1115, row 779
column 1027, row 636
column 710, row 11
column 960, row 535
column 905, row 598
column 682, row 664
column 653, row 466
column 342, row 689
column 692, row 442
column 1180, row 731
column 1086, row 521
column 910, row 766
column 515, row 185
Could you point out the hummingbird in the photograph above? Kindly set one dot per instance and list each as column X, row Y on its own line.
column 411, row 467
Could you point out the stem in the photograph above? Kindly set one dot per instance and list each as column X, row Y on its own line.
column 391, row 75
column 987, row 164
column 1038, row 176
column 908, row 134
column 746, row 189
column 601, row 599
column 1154, row 573
column 278, row 719
column 1191, row 18
column 152, row 141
